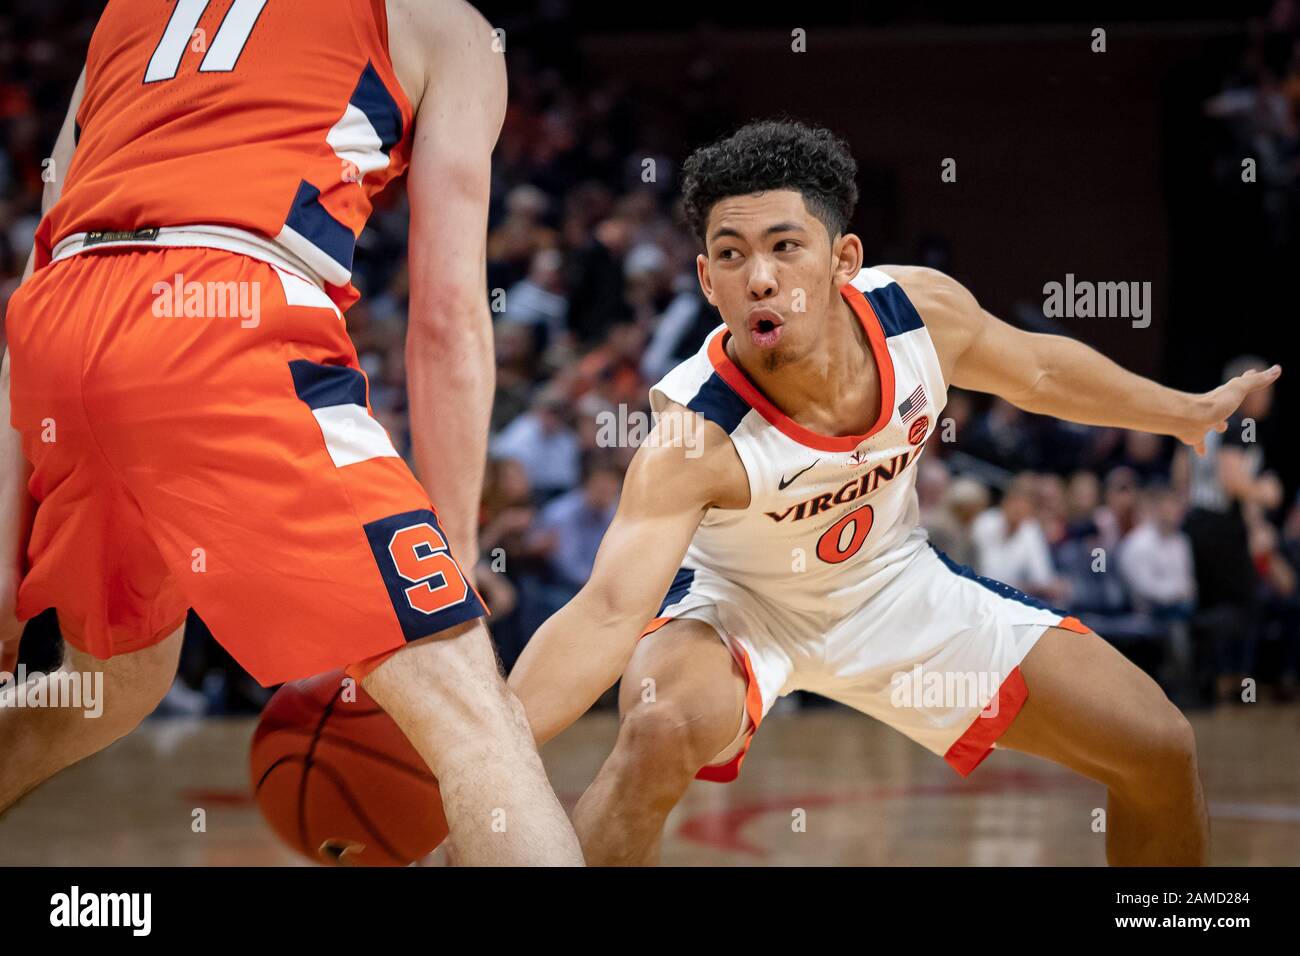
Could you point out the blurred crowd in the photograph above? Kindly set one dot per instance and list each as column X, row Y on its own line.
column 1188, row 564
column 1185, row 562
column 1256, row 116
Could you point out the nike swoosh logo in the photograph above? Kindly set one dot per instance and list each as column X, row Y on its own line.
column 785, row 483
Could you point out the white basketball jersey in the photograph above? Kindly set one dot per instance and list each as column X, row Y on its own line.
column 830, row 519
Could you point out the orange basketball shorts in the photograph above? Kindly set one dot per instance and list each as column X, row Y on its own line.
column 201, row 436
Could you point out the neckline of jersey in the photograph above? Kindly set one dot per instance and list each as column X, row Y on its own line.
column 735, row 377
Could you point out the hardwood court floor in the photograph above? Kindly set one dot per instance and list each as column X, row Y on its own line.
column 868, row 795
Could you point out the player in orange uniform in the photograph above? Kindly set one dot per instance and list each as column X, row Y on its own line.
column 192, row 407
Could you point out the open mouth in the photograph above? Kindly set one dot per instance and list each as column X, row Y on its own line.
column 765, row 328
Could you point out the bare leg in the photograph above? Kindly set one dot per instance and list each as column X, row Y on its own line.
column 448, row 696
column 38, row 742
column 16, row 512
column 1092, row 710
column 669, row 729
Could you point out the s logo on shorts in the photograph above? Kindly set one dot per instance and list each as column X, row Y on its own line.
column 428, row 590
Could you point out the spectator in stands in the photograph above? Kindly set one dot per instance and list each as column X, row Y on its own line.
column 507, row 511
column 517, row 372
column 998, row 436
column 964, row 500
column 1082, row 498
column 570, row 528
column 1155, row 558
column 1050, row 507
column 537, row 301
column 679, row 330
column 932, row 479
column 1276, row 597
column 596, row 295
column 1155, row 562
column 1119, row 515
column 957, row 417
column 542, row 441
column 612, row 368
column 1144, row 454
column 513, row 244
column 507, row 558
column 1010, row 545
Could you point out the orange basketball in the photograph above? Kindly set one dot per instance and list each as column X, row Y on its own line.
column 337, row 779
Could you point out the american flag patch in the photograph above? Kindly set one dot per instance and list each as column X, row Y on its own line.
column 912, row 405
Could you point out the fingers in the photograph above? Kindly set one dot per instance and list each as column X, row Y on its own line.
column 1255, row 380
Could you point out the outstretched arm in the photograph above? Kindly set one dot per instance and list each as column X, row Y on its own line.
column 583, row 648
column 1059, row 376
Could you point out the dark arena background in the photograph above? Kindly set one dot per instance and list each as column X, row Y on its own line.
column 1020, row 151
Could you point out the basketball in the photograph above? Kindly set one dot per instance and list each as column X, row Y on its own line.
column 337, row 779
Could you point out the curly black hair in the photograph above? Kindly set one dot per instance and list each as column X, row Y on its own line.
column 773, row 154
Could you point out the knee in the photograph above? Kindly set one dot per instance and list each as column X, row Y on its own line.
column 668, row 741
column 1166, row 754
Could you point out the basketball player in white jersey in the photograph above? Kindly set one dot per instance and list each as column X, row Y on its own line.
column 774, row 546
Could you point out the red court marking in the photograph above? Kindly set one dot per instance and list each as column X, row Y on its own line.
column 720, row 829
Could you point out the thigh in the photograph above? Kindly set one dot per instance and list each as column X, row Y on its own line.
column 1090, row 708
column 714, row 642
column 936, row 655
column 16, row 511
column 685, row 684
column 685, row 669
column 449, row 681
column 146, row 667
column 120, row 692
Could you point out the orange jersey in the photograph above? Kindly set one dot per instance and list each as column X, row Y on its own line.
column 281, row 118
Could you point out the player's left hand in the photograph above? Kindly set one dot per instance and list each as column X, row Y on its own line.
column 1217, row 406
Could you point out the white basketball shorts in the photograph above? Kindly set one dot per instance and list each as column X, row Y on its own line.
column 935, row 653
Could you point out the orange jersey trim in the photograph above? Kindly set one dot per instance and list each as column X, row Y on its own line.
column 742, row 386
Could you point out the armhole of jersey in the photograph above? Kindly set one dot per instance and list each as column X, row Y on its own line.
column 658, row 397
column 935, row 366
column 752, row 470
column 379, row 12
column 375, row 13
